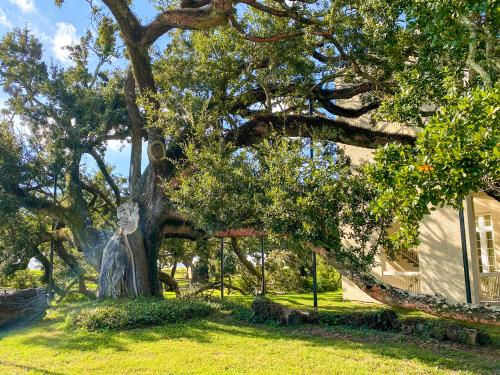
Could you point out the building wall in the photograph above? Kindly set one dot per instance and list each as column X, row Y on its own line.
column 440, row 253
column 441, row 264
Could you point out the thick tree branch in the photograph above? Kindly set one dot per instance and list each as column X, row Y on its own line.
column 37, row 204
column 392, row 296
column 68, row 258
column 266, row 9
column 243, row 259
column 263, row 126
column 199, row 18
column 168, row 280
column 347, row 112
column 129, row 25
column 82, row 288
column 95, row 191
column 111, row 182
column 327, row 59
column 343, row 92
column 194, row 3
column 258, row 95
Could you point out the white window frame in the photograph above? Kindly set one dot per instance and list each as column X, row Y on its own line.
column 484, row 261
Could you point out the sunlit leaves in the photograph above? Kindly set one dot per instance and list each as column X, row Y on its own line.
column 276, row 187
column 457, row 153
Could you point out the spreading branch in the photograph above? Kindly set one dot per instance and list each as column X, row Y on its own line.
column 97, row 192
column 104, row 170
column 243, row 259
column 260, row 39
column 260, row 127
column 204, row 17
column 348, row 112
column 258, row 94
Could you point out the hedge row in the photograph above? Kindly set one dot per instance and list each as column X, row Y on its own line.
column 140, row 312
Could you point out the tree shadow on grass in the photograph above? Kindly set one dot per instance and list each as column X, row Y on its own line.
column 391, row 345
column 29, row 368
column 206, row 331
column 61, row 339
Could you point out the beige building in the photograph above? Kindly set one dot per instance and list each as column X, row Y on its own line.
column 437, row 266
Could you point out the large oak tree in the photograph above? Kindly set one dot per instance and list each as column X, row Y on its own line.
column 237, row 73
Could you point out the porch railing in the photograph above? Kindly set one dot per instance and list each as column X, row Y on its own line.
column 411, row 255
column 489, row 287
column 403, row 280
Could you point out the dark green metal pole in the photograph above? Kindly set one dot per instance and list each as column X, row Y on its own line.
column 315, row 280
column 52, row 243
column 468, row 294
column 263, row 264
column 222, row 268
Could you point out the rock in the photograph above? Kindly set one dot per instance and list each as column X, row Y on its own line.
column 469, row 336
column 22, row 307
column 443, row 331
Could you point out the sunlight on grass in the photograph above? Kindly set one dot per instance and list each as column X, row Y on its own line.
column 223, row 345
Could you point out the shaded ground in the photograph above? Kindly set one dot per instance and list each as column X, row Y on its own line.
column 221, row 344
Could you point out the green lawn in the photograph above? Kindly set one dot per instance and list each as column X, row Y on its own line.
column 220, row 344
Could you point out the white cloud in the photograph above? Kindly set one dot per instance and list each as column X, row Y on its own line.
column 65, row 36
column 4, row 20
column 26, row 6
column 115, row 145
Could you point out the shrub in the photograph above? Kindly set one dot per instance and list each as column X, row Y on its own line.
column 283, row 272
column 24, row 279
column 140, row 312
column 383, row 320
column 329, row 280
column 238, row 310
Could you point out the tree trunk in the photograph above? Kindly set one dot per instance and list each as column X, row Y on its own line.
column 125, row 268
column 189, row 268
column 174, row 268
column 169, row 281
column 395, row 297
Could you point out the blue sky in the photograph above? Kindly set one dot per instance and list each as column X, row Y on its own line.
column 58, row 27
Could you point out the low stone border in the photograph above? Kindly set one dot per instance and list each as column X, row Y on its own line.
column 383, row 320
column 23, row 306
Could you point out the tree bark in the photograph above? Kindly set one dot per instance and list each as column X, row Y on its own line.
column 170, row 282
column 124, row 270
column 239, row 253
column 174, row 268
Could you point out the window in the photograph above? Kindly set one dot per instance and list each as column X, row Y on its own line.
column 485, row 245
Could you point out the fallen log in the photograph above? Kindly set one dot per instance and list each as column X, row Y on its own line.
column 22, row 307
